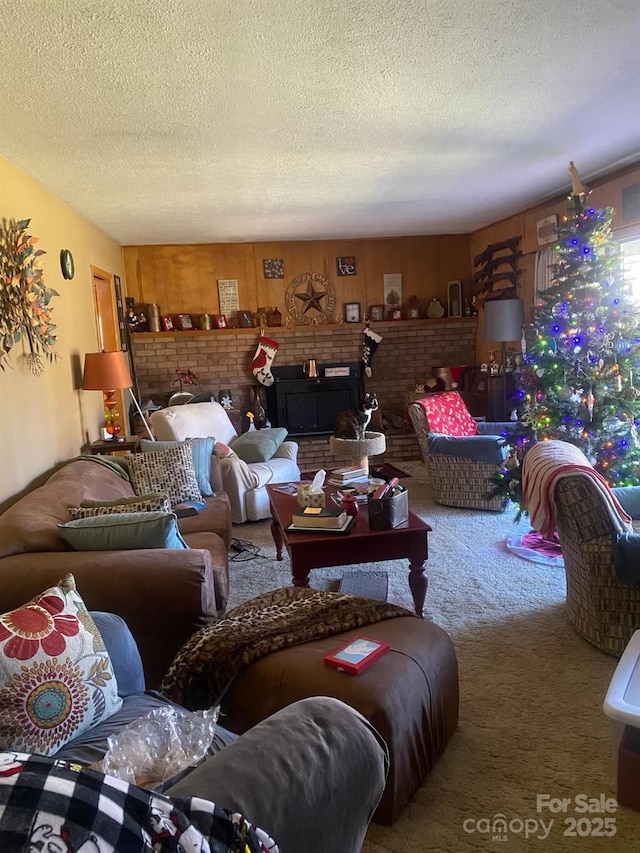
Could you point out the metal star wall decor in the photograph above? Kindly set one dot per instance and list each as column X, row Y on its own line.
column 310, row 297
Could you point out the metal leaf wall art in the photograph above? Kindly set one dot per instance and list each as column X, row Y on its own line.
column 25, row 309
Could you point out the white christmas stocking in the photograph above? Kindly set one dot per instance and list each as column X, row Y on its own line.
column 263, row 359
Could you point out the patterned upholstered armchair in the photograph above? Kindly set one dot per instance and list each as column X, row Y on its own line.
column 601, row 551
column 461, row 455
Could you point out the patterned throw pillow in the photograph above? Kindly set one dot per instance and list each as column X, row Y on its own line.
column 170, row 471
column 202, row 449
column 447, row 414
column 141, row 503
column 56, row 678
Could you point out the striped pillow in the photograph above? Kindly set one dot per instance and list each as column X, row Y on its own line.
column 140, row 503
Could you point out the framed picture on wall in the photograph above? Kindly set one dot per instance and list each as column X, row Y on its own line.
column 352, row 312
column 220, row 321
column 185, row 322
column 245, row 320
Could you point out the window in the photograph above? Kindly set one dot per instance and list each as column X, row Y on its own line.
column 631, row 260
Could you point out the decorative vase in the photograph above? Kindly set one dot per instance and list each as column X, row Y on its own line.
column 259, row 414
column 435, row 309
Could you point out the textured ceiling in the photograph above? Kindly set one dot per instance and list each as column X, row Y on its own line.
column 251, row 120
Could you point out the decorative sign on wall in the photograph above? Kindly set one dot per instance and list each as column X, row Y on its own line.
column 273, row 267
column 228, row 297
column 310, row 298
column 25, row 309
column 547, row 229
column 346, row 265
column 392, row 291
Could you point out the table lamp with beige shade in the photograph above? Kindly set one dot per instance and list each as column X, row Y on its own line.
column 109, row 372
column 503, row 321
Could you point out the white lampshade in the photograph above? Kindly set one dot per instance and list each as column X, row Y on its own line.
column 503, row 320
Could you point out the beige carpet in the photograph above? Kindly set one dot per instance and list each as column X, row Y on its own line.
column 531, row 719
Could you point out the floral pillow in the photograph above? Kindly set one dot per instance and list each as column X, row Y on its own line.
column 223, row 451
column 56, row 678
column 170, row 471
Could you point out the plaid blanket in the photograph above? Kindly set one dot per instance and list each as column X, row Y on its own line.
column 59, row 807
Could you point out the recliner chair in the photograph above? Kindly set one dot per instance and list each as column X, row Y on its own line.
column 243, row 482
column 600, row 546
column 461, row 454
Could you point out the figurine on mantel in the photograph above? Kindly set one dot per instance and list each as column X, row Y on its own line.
column 435, row 309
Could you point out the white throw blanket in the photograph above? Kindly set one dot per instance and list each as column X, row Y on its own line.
column 545, row 464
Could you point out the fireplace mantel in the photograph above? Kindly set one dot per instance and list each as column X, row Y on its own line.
column 221, row 358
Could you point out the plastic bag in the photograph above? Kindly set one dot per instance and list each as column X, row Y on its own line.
column 160, row 746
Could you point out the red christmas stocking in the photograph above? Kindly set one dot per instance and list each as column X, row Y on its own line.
column 263, row 359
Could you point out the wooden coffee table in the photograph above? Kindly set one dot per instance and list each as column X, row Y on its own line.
column 362, row 545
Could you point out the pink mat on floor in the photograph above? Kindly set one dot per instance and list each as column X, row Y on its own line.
column 532, row 546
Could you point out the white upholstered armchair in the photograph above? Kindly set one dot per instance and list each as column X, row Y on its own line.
column 243, row 482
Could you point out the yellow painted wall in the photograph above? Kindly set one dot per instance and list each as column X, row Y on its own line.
column 47, row 419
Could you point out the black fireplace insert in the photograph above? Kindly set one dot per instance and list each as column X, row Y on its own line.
column 309, row 406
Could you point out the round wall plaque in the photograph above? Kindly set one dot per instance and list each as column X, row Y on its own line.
column 310, row 297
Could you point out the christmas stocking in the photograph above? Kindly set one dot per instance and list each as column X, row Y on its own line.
column 263, row 359
column 370, row 345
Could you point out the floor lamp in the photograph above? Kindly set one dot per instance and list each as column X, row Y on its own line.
column 109, row 372
column 503, row 321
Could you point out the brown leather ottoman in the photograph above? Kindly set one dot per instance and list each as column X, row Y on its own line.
column 410, row 695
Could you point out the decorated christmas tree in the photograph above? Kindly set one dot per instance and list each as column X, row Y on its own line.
column 582, row 353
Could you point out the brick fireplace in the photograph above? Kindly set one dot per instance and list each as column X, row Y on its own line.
column 221, row 359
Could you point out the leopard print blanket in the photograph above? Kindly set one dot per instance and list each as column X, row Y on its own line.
column 208, row 662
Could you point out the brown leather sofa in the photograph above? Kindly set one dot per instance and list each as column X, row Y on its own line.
column 163, row 594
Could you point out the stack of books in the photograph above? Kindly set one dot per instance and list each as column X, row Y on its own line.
column 350, row 474
column 319, row 518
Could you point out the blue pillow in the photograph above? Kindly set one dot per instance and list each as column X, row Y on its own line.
column 123, row 531
column 258, row 445
column 202, row 450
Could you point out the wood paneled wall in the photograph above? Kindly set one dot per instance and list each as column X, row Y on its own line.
column 183, row 279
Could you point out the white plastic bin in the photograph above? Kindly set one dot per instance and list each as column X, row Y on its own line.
column 622, row 706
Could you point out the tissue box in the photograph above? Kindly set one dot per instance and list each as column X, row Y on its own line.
column 308, row 498
column 389, row 511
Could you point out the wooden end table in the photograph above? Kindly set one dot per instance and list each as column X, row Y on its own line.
column 110, row 447
column 363, row 544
